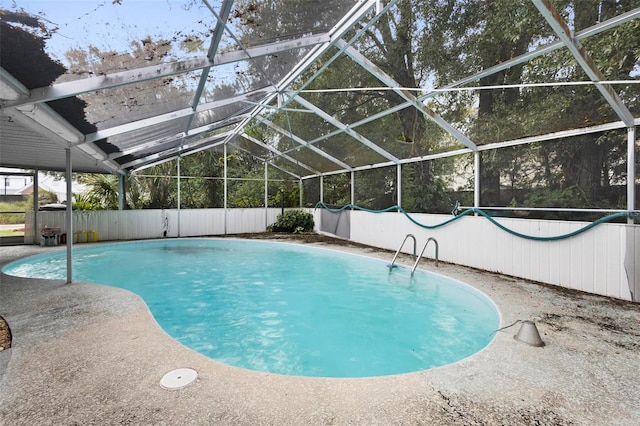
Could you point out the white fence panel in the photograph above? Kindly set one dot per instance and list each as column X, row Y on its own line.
column 201, row 222
column 592, row 261
column 245, row 220
column 632, row 259
column 143, row 224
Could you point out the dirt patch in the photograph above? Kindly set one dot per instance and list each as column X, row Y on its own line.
column 457, row 409
column 5, row 335
column 621, row 332
column 306, row 237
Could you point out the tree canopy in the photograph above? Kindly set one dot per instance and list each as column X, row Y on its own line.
column 425, row 48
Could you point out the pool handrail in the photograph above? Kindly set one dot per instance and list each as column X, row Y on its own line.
column 415, row 265
column 393, row 261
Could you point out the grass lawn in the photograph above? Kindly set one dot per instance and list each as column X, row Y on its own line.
column 18, row 232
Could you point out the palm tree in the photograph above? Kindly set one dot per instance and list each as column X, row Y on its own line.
column 103, row 191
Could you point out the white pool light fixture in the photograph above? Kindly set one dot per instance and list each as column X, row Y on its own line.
column 177, row 379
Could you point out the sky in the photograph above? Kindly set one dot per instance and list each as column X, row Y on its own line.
column 111, row 26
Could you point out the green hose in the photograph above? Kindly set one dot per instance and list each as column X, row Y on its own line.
column 609, row 218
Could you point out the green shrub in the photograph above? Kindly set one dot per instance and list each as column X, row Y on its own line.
column 296, row 221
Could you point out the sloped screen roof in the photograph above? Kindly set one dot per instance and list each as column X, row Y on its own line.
column 315, row 87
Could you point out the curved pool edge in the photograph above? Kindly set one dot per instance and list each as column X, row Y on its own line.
column 97, row 361
column 465, row 288
column 122, row 303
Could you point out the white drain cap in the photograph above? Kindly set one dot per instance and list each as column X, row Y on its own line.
column 179, row 378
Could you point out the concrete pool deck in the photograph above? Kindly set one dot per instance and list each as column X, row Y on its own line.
column 93, row 355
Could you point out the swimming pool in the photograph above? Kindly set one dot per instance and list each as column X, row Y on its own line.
column 288, row 309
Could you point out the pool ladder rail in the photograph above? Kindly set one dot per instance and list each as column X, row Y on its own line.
column 416, row 258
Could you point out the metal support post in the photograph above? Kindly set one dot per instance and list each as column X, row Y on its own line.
column 353, row 188
column 266, row 194
column 631, row 169
column 69, row 217
column 225, row 187
column 399, row 185
column 179, row 200
column 476, row 180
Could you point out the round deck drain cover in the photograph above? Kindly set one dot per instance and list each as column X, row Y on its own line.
column 179, row 378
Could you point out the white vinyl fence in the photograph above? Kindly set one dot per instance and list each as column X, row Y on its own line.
column 604, row 260
column 114, row 225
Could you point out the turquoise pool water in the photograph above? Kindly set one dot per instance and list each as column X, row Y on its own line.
column 285, row 308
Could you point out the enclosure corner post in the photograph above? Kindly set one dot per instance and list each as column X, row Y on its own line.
column 632, row 252
column 399, row 185
column 266, row 195
column 300, row 192
column 36, row 206
column 476, row 180
column 225, row 187
column 631, row 170
column 353, row 187
column 69, row 218
column 178, row 206
column 120, row 191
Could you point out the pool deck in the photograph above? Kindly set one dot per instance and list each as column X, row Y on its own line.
column 93, row 355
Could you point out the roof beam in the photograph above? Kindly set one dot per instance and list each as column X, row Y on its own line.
column 306, row 144
column 336, row 37
column 357, row 13
column 77, row 87
column 180, row 136
column 45, row 121
column 174, row 156
column 177, row 151
column 174, row 115
column 225, row 10
column 278, row 153
column 266, row 161
column 588, row 32
column 213, row 48
column 365, row 120
column 222, row 24
column 336, row 33
column 408, row 96
column 585, row 61
column 39, row 118
column 357, row 136
column 497, row 145
column 217, row 125
column 560, row 135
column 10, row 88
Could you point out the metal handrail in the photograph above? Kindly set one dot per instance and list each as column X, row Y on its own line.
column 415, row 265
column 390, row 266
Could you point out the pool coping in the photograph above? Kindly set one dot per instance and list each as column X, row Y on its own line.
column 94, row 355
